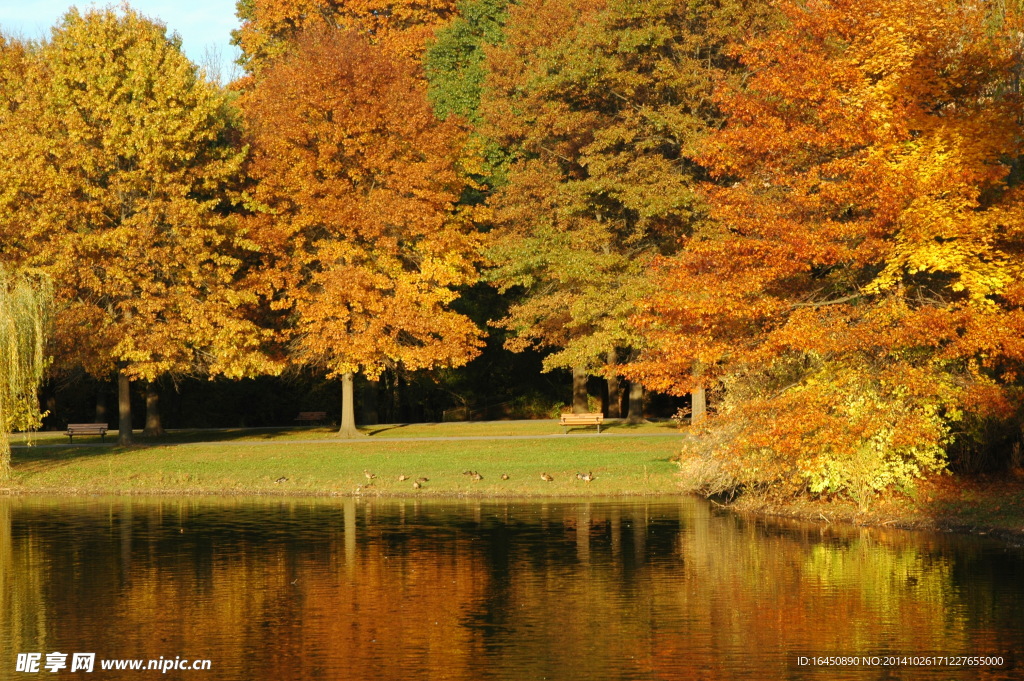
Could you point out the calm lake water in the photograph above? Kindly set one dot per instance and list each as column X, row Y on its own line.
column 388, row 589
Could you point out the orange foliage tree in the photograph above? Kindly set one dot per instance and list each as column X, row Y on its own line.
column 860, row 289
column 402, row 26
column 356, row 189
column 117, row 165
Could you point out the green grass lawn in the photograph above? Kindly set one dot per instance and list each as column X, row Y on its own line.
column 315, row 461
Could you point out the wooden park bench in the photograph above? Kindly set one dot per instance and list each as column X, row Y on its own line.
column 311, row 416
column 569, row 420
column 86, row 429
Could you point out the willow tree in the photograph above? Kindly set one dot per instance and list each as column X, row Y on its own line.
column 25, row 301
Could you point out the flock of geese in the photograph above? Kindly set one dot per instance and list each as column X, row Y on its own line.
column 472, row 475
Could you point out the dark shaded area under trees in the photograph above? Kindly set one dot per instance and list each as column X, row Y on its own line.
column 497, row 385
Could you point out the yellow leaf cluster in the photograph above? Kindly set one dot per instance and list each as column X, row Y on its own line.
column 115, row 175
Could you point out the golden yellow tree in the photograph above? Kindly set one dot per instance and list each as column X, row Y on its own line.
column 356, row 186
column 115, row 165
column 14, row 62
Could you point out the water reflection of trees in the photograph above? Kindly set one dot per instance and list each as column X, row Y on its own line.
column 470, row 590
column 23, row 614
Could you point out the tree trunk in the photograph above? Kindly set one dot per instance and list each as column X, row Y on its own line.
column 698, row 405
column 636, row 403
column 579, row 391
column 51, row 408
column 124, row 409
column 153, row 426
column 614, row 389
column 101, row 403
column 698, row 398
column 370, row 415
column 401, row 398
column 348, row 407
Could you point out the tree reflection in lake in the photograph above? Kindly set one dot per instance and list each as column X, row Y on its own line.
column 390, row 589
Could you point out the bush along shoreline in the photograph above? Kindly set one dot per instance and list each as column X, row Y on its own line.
column 984, row 504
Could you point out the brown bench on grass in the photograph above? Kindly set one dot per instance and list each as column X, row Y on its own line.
column 311, row 416
column 86, row 429
column 569, row 420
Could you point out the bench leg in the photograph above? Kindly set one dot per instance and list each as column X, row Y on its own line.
column 599, row 429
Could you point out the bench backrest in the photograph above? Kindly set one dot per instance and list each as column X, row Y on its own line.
column 583, row 418
column 88, row 426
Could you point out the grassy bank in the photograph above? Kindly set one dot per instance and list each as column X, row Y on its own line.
column 624, row 460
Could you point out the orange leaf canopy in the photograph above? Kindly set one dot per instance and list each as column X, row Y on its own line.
column 402, row 27
column 860, row 286
column 356, row 187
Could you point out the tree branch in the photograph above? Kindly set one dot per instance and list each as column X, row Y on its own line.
column 823, row 303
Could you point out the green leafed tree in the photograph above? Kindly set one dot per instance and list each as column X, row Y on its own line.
column 455, row 59
column 455, row 67
column 602, row 104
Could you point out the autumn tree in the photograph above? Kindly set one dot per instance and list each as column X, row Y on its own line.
column 602, row 103
column 115, row 176
column 356, row 188
column 859, row 291
column 14, row 63
column 402, row 27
